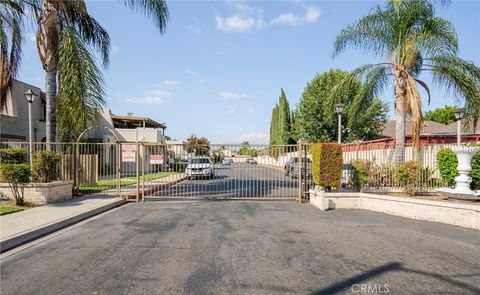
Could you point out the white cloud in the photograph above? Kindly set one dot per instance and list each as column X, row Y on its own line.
column 287, row 19
column 248, row 17
column 312, row 14
column 155, row 97
column 202, row 81
column 235, row 23
column 171, row 82
column 254, row 136
column 227, row 95
column 251, row 110
column 191, row 73
column 231, row 111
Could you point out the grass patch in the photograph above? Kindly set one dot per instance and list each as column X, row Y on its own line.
column 107, row 184
column 7, row 209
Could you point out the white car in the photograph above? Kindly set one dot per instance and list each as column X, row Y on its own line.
column 227, row 162
column 200, row 167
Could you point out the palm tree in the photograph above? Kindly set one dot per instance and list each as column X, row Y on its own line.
column 10, row 45
column 65, row 33
column 414, row 41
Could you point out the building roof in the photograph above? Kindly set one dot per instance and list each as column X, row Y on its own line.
column 428, row 128
column 131, row 121
column 431, row 128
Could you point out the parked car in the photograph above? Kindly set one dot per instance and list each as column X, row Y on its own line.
column 293, row 168
column 200, row 167
column 227, row 162
column 251, row 161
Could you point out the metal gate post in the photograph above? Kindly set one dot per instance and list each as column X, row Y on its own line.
column 75, row 181
column 143, row 172
column 137, row 169
column 118, row 169
column 299, row 155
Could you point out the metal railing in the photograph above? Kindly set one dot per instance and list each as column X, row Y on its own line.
column 136, row 170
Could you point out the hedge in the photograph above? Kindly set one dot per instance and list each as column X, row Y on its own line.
column 447, row 164
column 13, row 156
column 327, row 164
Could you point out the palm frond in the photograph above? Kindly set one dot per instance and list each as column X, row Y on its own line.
column 371, row 34
column 10, row 46
column 155, row 9
column 81, row 92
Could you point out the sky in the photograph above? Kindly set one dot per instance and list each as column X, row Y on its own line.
column 218, row 69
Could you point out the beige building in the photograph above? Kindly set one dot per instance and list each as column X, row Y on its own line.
column 14, row 118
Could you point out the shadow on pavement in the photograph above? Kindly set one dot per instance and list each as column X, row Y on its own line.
column 346, row 285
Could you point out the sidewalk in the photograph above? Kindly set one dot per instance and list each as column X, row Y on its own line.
column 23, row 227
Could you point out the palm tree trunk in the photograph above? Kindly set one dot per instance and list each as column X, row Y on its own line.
column 51, row 95
column 399, row 121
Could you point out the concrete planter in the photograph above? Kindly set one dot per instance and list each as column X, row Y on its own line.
column 460, row 214
column 42, row 193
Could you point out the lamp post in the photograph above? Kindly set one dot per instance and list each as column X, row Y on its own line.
column 30, row 96
column 459, row 113
column 339, row 107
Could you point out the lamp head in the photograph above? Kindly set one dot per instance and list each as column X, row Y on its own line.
column 29, row 95
column 339, row 107
column 459, row 113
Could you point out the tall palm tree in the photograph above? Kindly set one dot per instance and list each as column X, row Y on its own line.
column 412, row 40
column 65, row 33
column 11, row 13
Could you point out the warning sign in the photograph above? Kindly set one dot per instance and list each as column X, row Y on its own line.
column 128, row 153
column 156, row 159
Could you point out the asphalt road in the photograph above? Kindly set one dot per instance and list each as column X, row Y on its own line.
column 239, row 180
column 240, row 247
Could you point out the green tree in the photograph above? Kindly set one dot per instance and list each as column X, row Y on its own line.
column 247, row 150
column 445, row 115
column 65, row 33
column 412, row 40
column 200, row 146
column 280, row 125
column 315, row 117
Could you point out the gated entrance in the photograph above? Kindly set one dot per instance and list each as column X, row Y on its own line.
column 139, row 170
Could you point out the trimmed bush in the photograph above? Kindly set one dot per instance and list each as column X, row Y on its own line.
column 17, row 176
column 408, row 176
column 362, row 173
column 447, row 163
column 13, row 156
column 44, row 164
column 327, row 164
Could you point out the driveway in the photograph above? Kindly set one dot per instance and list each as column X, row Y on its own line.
column 241, row 247
column 239, row 180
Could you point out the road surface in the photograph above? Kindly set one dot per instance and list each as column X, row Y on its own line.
column 247, row 247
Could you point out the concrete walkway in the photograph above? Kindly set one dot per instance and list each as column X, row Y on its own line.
column 22, row 227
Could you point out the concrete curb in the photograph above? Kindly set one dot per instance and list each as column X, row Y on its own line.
column 153, row 189
column 34, row 234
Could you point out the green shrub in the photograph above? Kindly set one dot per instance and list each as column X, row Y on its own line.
column 17, row 176
column 362, row 173
column 447, row 164
column 408, row 176
column 178, row 167
column 44, row 164
column 13, row 156
column 327, row 164
column 475, row 173
column 382, row 176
